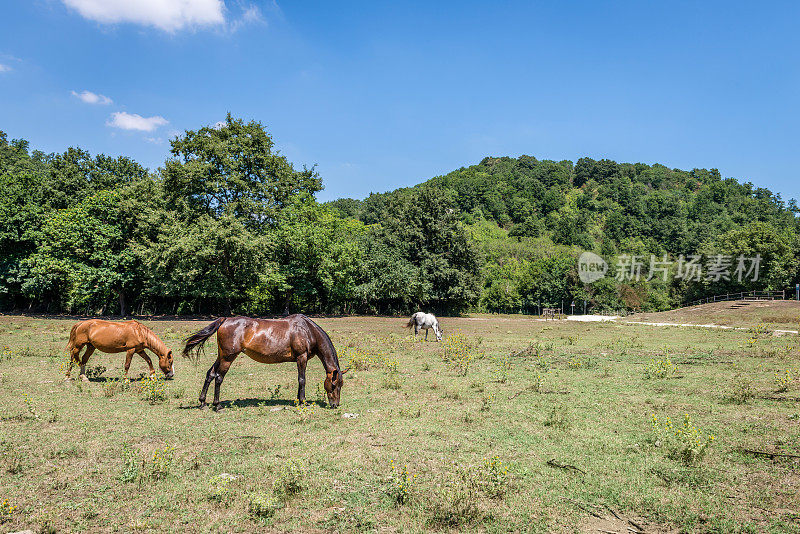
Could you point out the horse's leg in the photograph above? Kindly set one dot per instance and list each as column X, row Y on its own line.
column 146, row 358
column 89, row 351
column 302, row 360
column 426, row 333
column 222, row 368
column 73, row 359
column 416, row 330
column 210, row 375
column 128, row 359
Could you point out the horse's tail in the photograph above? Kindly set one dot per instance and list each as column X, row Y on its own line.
column 194, row 343
column 411, row 321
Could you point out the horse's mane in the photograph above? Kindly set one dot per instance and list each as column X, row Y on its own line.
column 325, row 338
column 152, row 340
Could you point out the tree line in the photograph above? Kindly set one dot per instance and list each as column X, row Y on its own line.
column 229, row 225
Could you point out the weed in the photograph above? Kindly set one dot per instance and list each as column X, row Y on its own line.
column 783, row 381
column 13, row 458
column 220, row 488
column 7, row 511
column 502, row 367
column 131, row 468
column 6, row 354
column 95, row 371
column 486, row 402
column 263, row 505
column 153, row 390
column 358, row 359
column 494, row 477
column 558, row 417
column 291, row 478
column 660, row 368
column 304, row 411
column 275, row 393
column 459, row 352
column 455, row 504
column 31, row 408
column 686, row 443
column 160, row 465
column 178, row 393
column 400, row 484
column 741, row 390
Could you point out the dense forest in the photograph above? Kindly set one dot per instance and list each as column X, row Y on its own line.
column 228, row 225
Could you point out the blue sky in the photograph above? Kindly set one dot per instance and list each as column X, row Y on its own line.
column 387, row 94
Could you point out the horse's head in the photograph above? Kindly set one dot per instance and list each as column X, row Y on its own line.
column 333, row 386
column 439, row 333
column 167, row 364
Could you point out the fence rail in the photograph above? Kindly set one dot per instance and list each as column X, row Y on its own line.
column 744, row 295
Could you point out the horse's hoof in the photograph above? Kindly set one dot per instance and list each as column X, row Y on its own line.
column 218, row 408
column 203, row 406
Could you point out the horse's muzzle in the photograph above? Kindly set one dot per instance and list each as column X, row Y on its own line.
column 170, row 375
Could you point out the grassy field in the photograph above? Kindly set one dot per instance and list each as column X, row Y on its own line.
column 512, row 424
column 781, row 314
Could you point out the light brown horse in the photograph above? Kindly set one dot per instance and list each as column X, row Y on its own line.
column 117, row 336
column 293, row 339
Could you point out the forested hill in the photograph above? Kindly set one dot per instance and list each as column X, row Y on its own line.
column 532, row 218
column 597, row 204
column 228, row 225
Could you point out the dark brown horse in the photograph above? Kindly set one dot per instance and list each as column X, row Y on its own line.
column 293, row 339
column 117, row 336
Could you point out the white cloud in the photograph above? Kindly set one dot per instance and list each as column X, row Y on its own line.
column 92, row 98
column 132, row 121
column 4, row 68
column 167, row 15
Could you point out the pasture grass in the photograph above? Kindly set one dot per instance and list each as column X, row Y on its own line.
column 546, row 424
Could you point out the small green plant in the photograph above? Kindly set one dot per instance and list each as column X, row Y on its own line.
column 6, row 354
column 459, row 352
column 400, row 484
column 581, row 362
column 783, row 381
column 29, row 406
column 153, row 390
column 494, row 477
column 686, row 442
column 455, row 504
column 305, row 411
column 502, row 367
column 131, row 466
column 263, row 505
column 741, row 390
column 358, row 359
column 95, row 371
column 160, row 465
column 291, row 479
column 392, row 378
column 275, row 393
column 558, row 417
column 219, row 488
column 660, row 368
column 486, row 402
column 571, row 340
column 7, row 511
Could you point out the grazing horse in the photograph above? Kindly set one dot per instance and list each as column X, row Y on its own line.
column 117, row 336
column 293, row 339
column 425, row 321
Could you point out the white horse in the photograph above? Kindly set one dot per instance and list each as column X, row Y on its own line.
column 425, row 321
